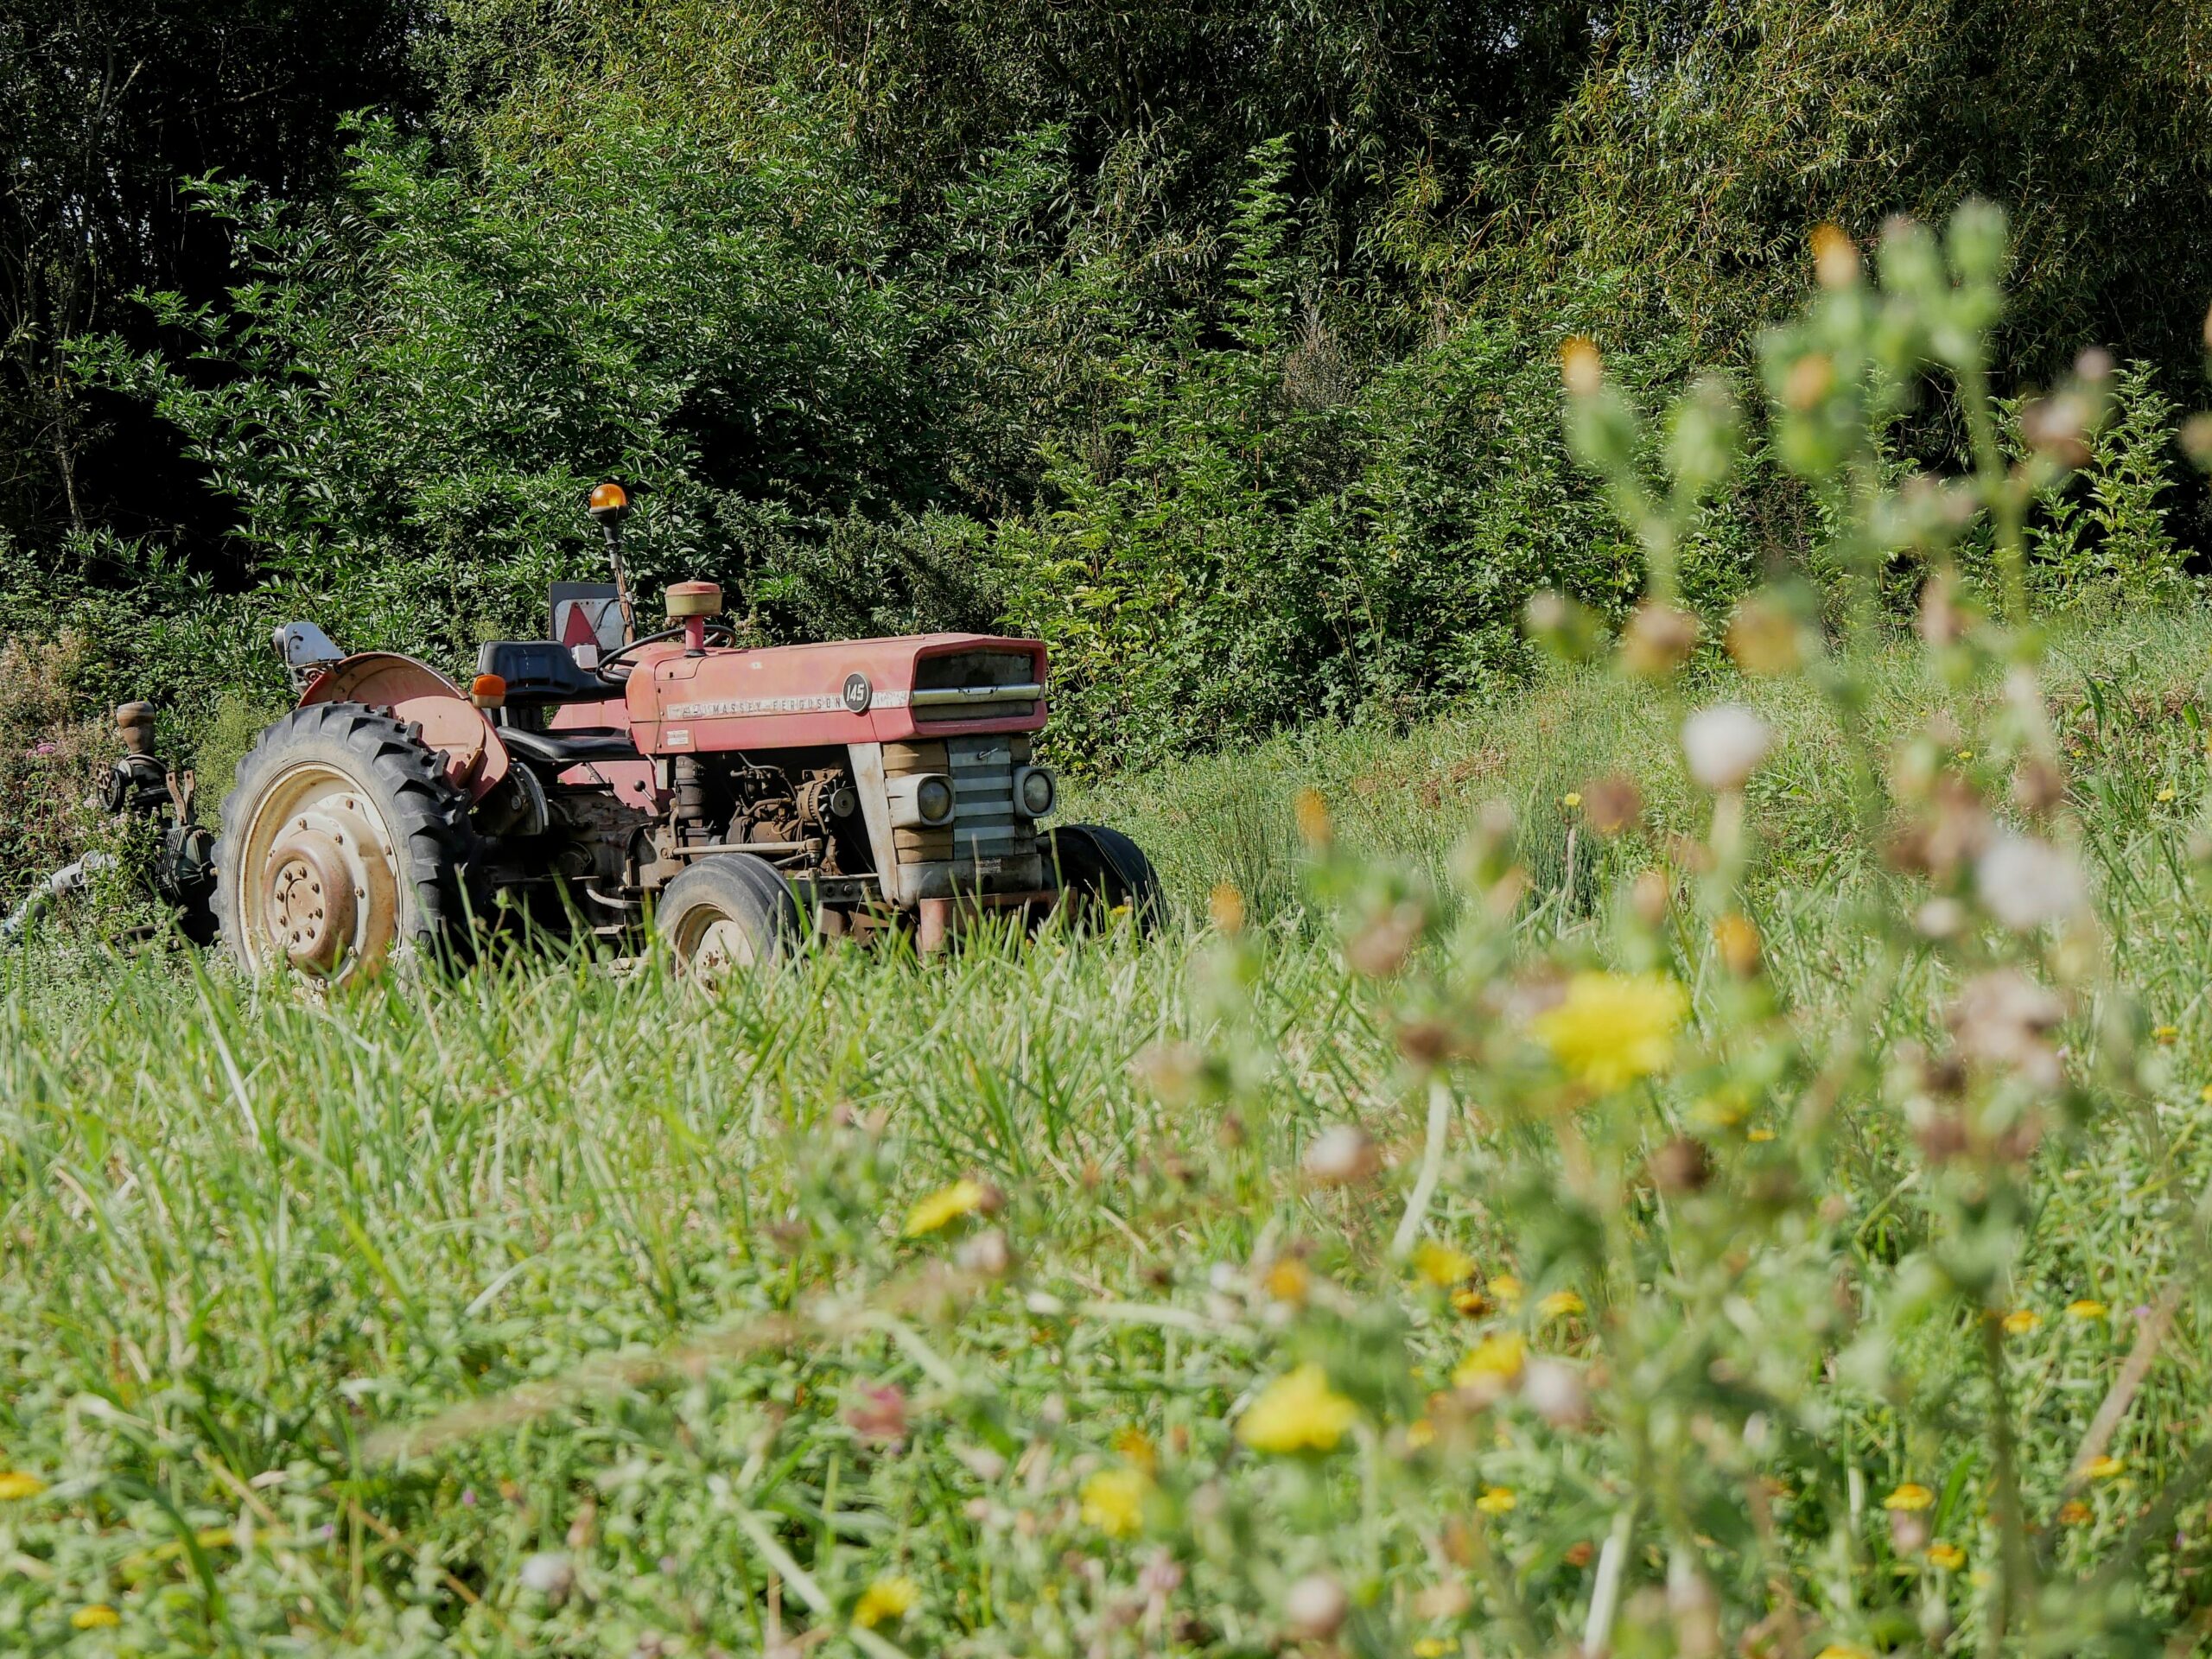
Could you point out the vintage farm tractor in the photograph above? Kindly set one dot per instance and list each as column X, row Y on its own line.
column 743, row 800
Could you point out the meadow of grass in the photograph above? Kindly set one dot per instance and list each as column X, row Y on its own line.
column 543, row 1308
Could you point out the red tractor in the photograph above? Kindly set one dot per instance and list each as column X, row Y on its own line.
column 743, row 800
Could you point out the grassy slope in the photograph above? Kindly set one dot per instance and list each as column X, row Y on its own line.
column 245, row 1230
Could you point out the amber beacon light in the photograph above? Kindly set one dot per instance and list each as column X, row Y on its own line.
column 610, row 502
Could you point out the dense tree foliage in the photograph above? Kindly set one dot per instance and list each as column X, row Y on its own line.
column 1216, row 343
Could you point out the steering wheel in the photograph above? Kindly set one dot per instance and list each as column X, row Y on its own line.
column 727, row 636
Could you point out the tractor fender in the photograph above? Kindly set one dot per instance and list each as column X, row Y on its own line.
column 476, row 759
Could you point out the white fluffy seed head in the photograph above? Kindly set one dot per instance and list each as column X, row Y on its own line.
column 1315, row 1606
column 550, row 1573
column 1552, row 1389
column 1339, row 1155
column 2026, row 884
column 1725, row 744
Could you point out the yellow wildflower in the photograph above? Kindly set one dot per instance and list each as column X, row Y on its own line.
column 2073, row 1512
column 1496, row 1500
column 1572, row 799
column 1949, row 1557
column 2021, row 1321
column 1113, row 1502
column 1612, row 1029
column 15, row 1483
column 2164, row 1033
column 1910, row 1495
column 2085, row 1309
column 1419, row 1433
column 1507, row 1289
column 97, row 1616
column 1580, row 366
column 946, row 1205
column 2165, row 794
column 1470, row 1302
column 2103, row 1468
column 1297, row 1412
column 1134, row 1444
column 1288, row 1280
column 1758, row 1135
column 1312, row 814
column 1560, row 1305
column 1226, row 905
column 1500, row 1356
column 1442, row 1265
column 885, row 1600
column 1430, row 1647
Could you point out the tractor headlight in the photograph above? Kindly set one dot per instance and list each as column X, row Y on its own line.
column 920, row 800
column 933, row 800
column 1034, row 789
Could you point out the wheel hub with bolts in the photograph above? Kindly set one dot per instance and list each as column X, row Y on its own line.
column 313, row 902
column 327, row 897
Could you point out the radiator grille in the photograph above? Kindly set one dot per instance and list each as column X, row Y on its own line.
column 984, row 826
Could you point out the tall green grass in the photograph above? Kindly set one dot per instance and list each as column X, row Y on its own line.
column 539, row 1308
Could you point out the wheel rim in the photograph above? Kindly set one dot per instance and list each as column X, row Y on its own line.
column 713, row 947
column 319, row 875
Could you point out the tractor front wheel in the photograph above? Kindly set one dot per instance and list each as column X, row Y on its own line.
column 1102, row 873
column 342, row 840
column 727, row 914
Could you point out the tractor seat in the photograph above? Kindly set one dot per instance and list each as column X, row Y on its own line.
column 539, row 672
column 568, row 748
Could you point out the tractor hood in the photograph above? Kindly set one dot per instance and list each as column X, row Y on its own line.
column 851, row 692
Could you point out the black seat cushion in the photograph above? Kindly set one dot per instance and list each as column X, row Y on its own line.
column 539, row 671
column 568, row 748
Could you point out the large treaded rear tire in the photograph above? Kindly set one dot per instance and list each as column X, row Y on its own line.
column 1102, row 870
column 338, row 787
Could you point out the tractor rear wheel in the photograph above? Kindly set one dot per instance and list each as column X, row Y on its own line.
column 1103, row 871
column 727, row 914
column 342, row 841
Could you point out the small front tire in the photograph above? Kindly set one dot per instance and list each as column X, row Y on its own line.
column 1101, row 872
column 727, row 915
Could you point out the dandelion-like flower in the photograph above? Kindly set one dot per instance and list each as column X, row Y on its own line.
column 1297, row 1412
column 17, row 1483
column 1560, row 1305
column 1498, row 1356
column 1113, row 1502
column 2086, row 1309
column 2020, row 1321
column 1910, row 1497
column 1496, row 1500
column 946, row 1205
column 1288, row 1280
column 1441, row 1265
column 886, row 1602
column 2103, row 1468
column 1949, row 1557
column 1610, row 1029
column 97, row 1616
